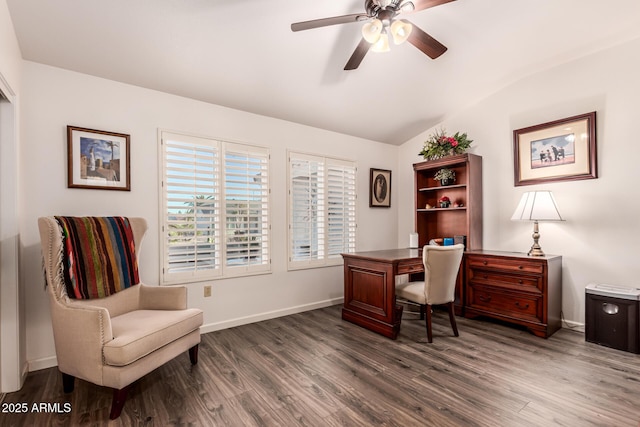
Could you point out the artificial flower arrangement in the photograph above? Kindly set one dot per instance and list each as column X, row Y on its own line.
column 440, row 145
column 445, row 174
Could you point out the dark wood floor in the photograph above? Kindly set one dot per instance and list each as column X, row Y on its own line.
column 313, row 369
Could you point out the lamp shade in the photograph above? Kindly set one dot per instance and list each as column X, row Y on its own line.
column 371, row 30
column 400, row 30
column 382, row 45
column 537, row 206
column 407, row 7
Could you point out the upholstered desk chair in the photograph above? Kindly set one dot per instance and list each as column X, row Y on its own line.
column 441, row 265
column 114, row 340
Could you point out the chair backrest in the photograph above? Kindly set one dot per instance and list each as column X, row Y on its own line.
column 51, row 242
column 441, row 266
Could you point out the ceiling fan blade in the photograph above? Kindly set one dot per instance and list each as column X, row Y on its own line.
column 426, row 4
column 358, row 55
column 423, row 41
column 325, row 22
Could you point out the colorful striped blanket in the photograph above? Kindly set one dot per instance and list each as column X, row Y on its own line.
column 99, row 256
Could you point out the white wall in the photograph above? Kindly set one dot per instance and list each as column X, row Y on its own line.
column 10, row 57
column 598, row 239
column 54, row 98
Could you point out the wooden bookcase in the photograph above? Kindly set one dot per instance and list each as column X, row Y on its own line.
column 436, row 222
column 466, row 220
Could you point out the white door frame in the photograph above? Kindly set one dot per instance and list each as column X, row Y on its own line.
column 13, row 366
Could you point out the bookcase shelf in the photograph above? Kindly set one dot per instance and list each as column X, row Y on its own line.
column 442, row 187
column 443, row 209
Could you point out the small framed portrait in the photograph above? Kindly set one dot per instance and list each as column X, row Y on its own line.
column 562, row 150
column 97, row 159
column 380, row 188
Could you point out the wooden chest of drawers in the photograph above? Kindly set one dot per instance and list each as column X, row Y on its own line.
column 516, row 288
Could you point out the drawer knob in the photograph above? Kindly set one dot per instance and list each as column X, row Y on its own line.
column 484, row 276
column 520, row 282
column 485, row 262
column 520, row 267
column 522, row 306
column 484, row 298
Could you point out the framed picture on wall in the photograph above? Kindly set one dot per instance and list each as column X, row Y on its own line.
column 562, row 150
column 379, row 188
column 97, row 159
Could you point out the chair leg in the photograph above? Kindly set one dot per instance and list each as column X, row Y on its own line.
column 193, row 354
column 67, row 382
column 428, row 316
column 117, row 403
column 422, row 311
column 452, row 319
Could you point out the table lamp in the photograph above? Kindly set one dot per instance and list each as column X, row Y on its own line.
column 536, row 206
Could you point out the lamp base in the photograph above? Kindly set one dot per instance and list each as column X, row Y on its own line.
column 535, row 250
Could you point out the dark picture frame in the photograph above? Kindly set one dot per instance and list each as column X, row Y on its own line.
column 561, row 150
column 98, row 159
column 379, row 188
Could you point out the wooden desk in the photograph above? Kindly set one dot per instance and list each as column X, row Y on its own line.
column 370, row 287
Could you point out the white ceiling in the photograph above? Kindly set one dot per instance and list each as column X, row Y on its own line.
column 242, row 53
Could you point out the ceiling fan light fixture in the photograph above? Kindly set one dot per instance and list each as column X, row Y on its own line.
column 400, row 31
column 371, row 30
column 379, row 23
column 382, row 45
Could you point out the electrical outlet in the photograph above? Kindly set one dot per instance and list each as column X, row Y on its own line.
column 207, row 291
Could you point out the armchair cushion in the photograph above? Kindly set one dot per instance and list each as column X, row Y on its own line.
column 141, row 332
column 99, row 256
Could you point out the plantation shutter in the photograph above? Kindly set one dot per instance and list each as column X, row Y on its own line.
column 341, row 208
column 322, row 210
column 215, row 209
column 246, row 188
column 191, row 231
column 307, row 208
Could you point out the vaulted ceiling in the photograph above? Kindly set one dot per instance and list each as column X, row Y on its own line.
column 242, row 53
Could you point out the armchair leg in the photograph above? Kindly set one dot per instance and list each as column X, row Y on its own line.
column 119, row 397
column 428, row 316
column 452, row 319
column 193, row 354
column 67, row 382
column 422, row 306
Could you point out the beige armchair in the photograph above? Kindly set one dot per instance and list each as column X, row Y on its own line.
column 441, row 265
column 115, row 340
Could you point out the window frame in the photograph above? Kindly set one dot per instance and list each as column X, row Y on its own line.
column 327, row 259
column 222, row 148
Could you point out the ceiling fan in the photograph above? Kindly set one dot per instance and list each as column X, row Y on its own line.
column 381, row 18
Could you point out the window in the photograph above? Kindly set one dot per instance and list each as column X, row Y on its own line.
column 215, row 209
column 322, row 210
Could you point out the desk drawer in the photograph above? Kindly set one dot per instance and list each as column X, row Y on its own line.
column 511, row 304
column 525, row 283
column 505, row 264
column 409, row 267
